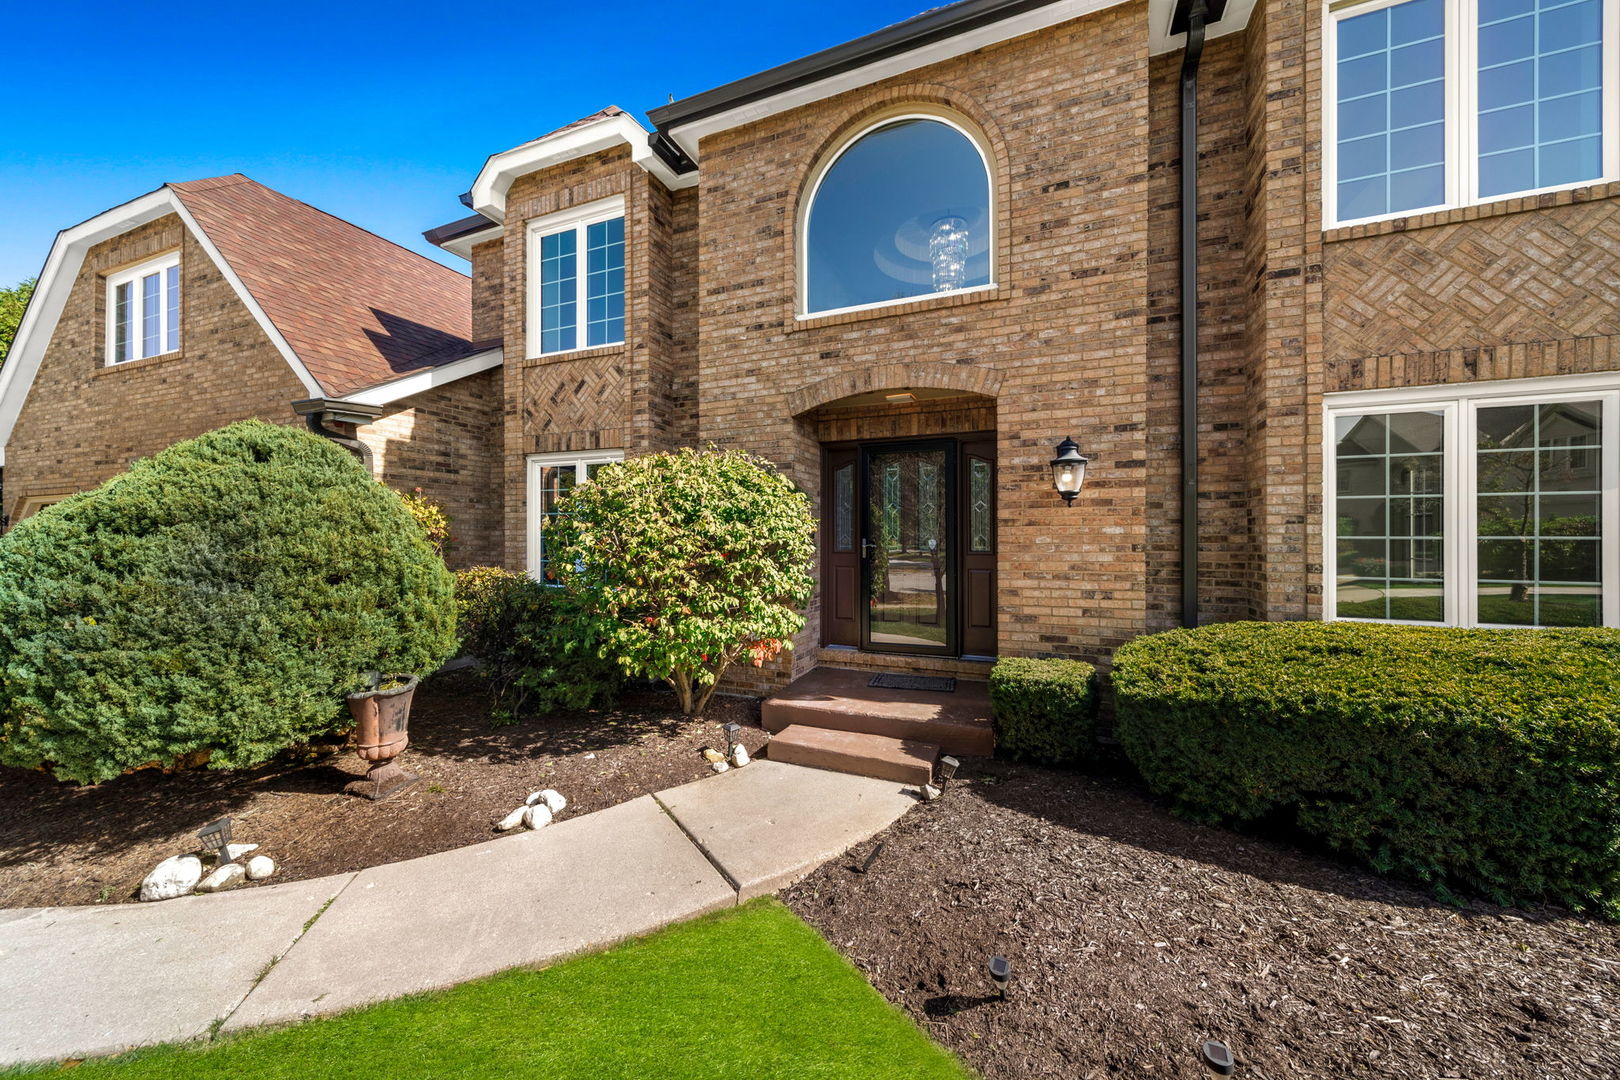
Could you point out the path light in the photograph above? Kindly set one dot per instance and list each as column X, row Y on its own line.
column 216, row 836
column 1218, row 1056
column 947, row 768
column 733, row 732
column 1069, row 470
column 1000, row 973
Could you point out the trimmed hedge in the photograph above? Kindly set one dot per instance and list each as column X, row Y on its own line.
column 1045, row 710
column 510, row 623
column 217, row 600
column 1486, row 760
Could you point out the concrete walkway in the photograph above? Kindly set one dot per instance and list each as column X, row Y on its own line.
column 82, row 981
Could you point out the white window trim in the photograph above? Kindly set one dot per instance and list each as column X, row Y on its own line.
column 1461, row 404
column 1461, row 113
column 534, row 463
column 802, row 259
column 131, row 276
column 577, row 219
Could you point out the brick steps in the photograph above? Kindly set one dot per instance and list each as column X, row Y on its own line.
column 901, row 760
column 840, row 699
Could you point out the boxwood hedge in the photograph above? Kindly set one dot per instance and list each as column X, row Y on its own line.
column 217, row 600
column 1045, row 710
column 1486, row 760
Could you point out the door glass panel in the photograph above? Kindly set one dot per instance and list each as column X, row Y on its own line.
column 909, row 551
column 980, row 513
column 844, row 508
column 1540, row 515
column 1388, row 521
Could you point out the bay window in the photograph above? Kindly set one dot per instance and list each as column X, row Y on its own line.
column 143, row 310
column 576, row 274
column 1476, row 505
column 1440, row 103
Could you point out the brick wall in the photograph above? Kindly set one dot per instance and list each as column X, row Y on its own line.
column 84, row 421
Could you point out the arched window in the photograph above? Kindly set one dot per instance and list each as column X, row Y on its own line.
column 902, row 211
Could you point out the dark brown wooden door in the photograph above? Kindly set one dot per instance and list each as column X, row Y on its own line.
column 841, row 548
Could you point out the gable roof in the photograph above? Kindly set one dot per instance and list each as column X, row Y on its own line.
column 345, row 308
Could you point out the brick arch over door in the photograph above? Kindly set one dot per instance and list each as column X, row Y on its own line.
column 931, row 375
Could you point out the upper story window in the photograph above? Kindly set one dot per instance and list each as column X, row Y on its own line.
column 1442, row 103
column 576, row 270
column 902, row 211
column 143, row 310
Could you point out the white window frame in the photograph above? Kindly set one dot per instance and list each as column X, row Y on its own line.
column 132, row 276
column 802, row 259
column 1461, row 404
column 577, row 220
column 1461, row 112
column 535, row 464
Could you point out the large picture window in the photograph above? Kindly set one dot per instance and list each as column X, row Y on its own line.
column 1440, row 103
column 1488, row 505
column 576, row 266
column 143, row 310
column 902, row 211
column 551, row 478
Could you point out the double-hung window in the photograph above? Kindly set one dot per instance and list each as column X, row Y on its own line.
column 143, row 310
column 1442, row 103
column 576, row 270
column 1489, row 504
column 551, row 478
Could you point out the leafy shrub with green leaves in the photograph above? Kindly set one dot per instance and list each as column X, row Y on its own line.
column 509, row 622
column 1477, row 759
column 1045, row 710
column 432, row 519
column 217, row 599
column 680, row 564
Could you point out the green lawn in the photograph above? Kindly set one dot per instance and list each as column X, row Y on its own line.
column 753, row 994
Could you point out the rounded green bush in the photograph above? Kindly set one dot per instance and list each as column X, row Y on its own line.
column 1045, row 710
column 1477, row 759
column 219, row 597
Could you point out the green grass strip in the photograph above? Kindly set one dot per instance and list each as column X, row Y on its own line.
column 751, row 993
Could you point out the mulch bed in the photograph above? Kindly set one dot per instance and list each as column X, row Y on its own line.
column 1134, row 936
column 63, row 844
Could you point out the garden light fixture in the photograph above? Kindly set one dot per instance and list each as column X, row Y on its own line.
column 1000, row 973
column 733, row 732
column 1218, row 1056
column 947, row 768
column 216, row 837
column 1069, row 470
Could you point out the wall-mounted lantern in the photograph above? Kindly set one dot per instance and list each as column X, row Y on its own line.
column 1069, row 470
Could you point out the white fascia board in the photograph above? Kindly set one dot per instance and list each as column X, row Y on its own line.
column 62, row 268
column 418, row 382
column 463, row 245
column 688, row 136
column 495, row 179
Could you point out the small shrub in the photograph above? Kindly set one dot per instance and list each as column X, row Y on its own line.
column 217, row 600
column 435, row 523
column 1481, row 759
column 1045, row 710
column 681, row 564
column 509, row 622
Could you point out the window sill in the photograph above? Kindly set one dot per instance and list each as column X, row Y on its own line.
column 1500, row 208
column 576, row 354
column 144, row 362
column 910, row 307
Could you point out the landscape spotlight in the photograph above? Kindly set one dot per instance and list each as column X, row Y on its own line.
column 1218, row 1056
column 733, row 732
column 216, row 836
column 947, row 767
column 1000, row 973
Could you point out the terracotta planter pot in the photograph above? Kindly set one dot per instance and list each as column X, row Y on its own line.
column 382, row 731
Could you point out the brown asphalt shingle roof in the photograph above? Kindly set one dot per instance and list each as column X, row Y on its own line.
column 355, row 308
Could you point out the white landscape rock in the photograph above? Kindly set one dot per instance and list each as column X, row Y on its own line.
column 222, row 878
column 513, row 820
column 739, row 755
column 239, row 850
column 930, row 792
column 175, row 876
column 554, row 801
column 719, row 766
column 534, row 797
column 538, row 816
column 260, row 867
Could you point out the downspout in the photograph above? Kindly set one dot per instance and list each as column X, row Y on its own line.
column 318, row 411
column 1194, row 51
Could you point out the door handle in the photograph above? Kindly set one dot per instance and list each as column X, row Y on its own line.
column 867, row 547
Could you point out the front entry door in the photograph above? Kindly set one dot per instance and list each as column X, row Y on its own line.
column 908, row 559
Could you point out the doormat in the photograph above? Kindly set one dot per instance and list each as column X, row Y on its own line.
column 942, row 684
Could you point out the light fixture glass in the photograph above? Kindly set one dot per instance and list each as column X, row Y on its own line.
column 948, row 253
column 1069, row 470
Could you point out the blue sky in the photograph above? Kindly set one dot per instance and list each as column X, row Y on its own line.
column 379, row 113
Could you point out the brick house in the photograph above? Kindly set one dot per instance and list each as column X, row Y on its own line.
column 905, row 268
column 212, row 301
